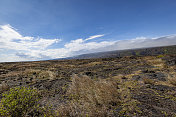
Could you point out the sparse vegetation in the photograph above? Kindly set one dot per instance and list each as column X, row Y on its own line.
column 129, row 106
column 3, row 87
column 88, row 97
column 172, row 80
column 127, row 86
column 18, row 102
column 160, row 56
column 149, row 81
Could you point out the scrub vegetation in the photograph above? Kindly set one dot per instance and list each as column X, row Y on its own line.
column 114, row 87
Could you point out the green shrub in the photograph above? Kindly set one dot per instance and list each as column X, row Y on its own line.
column 160, row 56
column 18, row 102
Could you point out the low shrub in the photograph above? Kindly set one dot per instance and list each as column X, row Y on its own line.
column 160, row 56
column 18, row 102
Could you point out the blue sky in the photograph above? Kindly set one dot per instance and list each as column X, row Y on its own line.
column 66, row 26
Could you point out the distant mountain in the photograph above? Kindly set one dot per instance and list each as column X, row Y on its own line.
column 139, row 46
column 140, row 43
column 128, row 52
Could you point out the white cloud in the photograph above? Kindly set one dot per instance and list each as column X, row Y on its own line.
column 8, row 33
column 11, row 39
column 80, row 45
column 16, row 47
column 93, row 37
column 141, row 42
column 22, row 48
column 12, row 58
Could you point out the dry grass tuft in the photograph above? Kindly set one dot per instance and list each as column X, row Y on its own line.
column 41, row 74
column 172, row 80
column 149, row 81
column 100, row 97
column 90, row 98
column 157, row 62
column 4, row 87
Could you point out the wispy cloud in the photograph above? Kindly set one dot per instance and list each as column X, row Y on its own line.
column 11, row 39
column 16, row 47
column 93, row 37
column 22, row 48
column 14, row 42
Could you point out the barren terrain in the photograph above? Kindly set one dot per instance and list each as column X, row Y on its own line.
column 127, row 86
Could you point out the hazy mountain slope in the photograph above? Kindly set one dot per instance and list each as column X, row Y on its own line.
column 143, row 43
column 129, row 52
column 140, row 42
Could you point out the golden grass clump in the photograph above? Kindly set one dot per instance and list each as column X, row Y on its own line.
column 41, row 74
column 100, row 98
column 88, row 97
column 172, row 80
column 149, row 81
column 4, row 87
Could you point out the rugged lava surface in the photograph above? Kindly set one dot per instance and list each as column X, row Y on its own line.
column 155, row 76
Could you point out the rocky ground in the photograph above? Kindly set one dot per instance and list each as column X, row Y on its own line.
column 154, row 92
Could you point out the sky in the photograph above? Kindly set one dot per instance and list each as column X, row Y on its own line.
column 48, row 29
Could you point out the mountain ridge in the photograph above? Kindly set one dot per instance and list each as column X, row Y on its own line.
column 127, row 52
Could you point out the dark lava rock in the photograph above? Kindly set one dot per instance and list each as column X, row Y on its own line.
column 152, row 104
column 159, row 76
column 162, row 87
column 3, row 71
column 136, row 77
column 90, row 73
column 171, row 62
column 124, row 78
column 148, row 71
